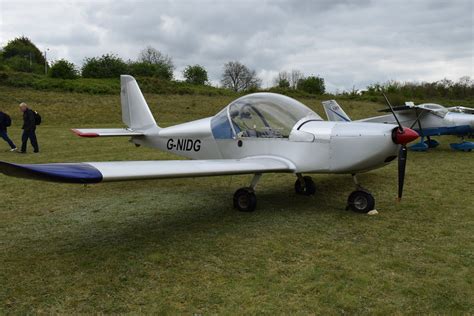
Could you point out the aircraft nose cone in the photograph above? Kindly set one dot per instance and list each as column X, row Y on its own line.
column 405, row 136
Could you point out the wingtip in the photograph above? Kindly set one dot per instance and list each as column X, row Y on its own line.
column 55, row 172
column 81, row 134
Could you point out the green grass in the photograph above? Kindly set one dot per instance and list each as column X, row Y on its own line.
column 178, row 246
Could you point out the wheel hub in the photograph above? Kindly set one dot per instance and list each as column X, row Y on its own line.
column 360, row 202
column 243, row 201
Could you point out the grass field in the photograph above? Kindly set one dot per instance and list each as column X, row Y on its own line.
column 178, row 246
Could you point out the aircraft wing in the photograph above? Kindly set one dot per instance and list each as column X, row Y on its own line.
column 406, row 107
column 461, row 109
column 95, row 172
column 105, row 132
column 417, row 111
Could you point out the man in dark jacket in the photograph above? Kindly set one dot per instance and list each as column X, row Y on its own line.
column 29, row 129
column 3, row 131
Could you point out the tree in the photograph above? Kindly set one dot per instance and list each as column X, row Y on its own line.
column 312, row 84
column 238, row 77
column 22, row 55
column 195, row 74
column 282, row 80
column 106, row 66
column 163, row 63
column 295, row 77
column 23, row 47
column 63, row 69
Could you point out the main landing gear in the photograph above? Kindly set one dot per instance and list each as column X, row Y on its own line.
column 463, row 145
column 423, row 144
column 245, row 199
column 304, row 185
column 360, row 200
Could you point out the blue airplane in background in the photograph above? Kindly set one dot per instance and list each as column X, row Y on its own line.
column 428, row 119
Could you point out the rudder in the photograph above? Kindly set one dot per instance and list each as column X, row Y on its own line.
column 334, row 112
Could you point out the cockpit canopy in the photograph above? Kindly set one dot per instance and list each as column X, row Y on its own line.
column 262, row 115
column 435, row 108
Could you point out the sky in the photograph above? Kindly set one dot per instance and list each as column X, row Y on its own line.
column 350, row 43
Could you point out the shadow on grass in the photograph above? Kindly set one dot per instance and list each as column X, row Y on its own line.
column 136, row 219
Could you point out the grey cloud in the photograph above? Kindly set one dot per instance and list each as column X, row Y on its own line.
column 347, row 42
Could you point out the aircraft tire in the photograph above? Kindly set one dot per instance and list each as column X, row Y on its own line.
column 245, row 200
column 309, row 186
column 361, row 201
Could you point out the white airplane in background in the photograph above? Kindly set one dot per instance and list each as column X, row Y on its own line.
column 428, row 119
column 255, row 134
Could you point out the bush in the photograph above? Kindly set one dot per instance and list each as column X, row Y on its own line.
column 195, row 75
column 18, row 63
column 461, row 89
column 146, row 69
column 63, row 69
column 312, row 84
column 23, row 64
column 283, row 83
column 104, row 86
column 106, row 66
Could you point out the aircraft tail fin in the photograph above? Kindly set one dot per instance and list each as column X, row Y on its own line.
column 135, row 111
column 334, row 112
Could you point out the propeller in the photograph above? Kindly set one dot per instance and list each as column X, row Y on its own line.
column 402, row 162
column 401, row 136
column 400, row 127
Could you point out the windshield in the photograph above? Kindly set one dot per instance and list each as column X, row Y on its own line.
column 263, row 115
column 435, row 108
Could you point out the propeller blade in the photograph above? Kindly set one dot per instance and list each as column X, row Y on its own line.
column 393, row 112
column 402, row 161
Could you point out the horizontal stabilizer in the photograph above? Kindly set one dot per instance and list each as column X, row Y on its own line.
column 94, row 172
column 105, row 132
column 461, row 109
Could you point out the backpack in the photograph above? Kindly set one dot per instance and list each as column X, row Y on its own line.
column 37, row 118
column 7, row 120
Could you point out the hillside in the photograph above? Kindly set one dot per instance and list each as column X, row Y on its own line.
column 74, row 109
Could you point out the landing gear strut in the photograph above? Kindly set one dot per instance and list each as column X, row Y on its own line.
column 360, row 201
column 304, row 185
column 245, row 199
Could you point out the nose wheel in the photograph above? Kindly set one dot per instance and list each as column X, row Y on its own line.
column 361, row 200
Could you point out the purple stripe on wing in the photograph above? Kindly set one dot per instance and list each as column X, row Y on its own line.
column 56, row 172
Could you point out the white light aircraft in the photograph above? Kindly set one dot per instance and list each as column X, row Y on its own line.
column 255, row 134
column 428, row 120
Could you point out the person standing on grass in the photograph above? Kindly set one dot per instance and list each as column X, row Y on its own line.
column 6, row 121
column 29, row 128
